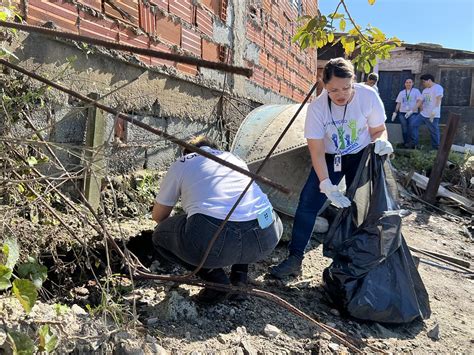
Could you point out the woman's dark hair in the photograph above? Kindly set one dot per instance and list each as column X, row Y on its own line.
column 338, row 67
column 200, row 141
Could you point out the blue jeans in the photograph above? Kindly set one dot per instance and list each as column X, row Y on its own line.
column 433, row 128
column 312, row 199
column 184, row 241
column 405, row 123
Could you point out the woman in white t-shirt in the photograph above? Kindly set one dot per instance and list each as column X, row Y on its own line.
column 408, row 102
column 340, row 123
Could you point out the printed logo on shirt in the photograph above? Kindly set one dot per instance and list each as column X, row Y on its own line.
column 346, row 140
column 427, row 98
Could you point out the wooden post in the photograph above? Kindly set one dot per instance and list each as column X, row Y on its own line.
column 442, row 157
column 94, row 155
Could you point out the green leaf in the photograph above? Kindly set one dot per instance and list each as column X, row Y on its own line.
column 349, row 45
column 21, row 343
column 342, row 25
column 61, row 308
column 336, row 16
column 33, row 270
column 26, row 293
column 5, row 276
column 330, row 37
column 371, row 2
column 47, row 339
column 32, row 161
column 11, row 250
column 366, row 67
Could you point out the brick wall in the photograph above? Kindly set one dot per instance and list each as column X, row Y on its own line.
column 187, row 26
column 284, row 67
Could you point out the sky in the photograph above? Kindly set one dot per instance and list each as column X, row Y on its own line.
column 449, row 23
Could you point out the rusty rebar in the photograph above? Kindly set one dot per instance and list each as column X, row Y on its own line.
column 134, row 121
column 125, row 47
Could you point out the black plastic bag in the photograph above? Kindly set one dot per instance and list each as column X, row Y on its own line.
column 373, row 275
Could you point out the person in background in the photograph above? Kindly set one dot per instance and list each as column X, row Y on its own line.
column 408, row 102
column 430, row 111
column 372, row 80
column 340, row 123
column 208, row 191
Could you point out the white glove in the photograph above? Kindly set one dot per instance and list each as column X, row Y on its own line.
column 333, row 194
column 394, row 115
column 432, row 116
column 383, row 147
column 408, row 114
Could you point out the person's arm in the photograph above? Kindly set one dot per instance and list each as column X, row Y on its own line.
column 438, row 101
column 397, row 108
column 379, row 132
column 318, row 159
column 160, row 212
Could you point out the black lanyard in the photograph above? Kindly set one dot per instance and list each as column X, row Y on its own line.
column 332, row 119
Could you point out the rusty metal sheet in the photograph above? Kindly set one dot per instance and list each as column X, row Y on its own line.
column 289, row 165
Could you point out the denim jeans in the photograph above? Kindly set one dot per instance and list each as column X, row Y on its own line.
column 405, row 123
column 312, row 199
column 185, row 240
column 433, row 128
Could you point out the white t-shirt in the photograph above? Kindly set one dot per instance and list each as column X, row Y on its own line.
column 210, row 188
column 350, row 135
column 429, row 100
column 408, row 99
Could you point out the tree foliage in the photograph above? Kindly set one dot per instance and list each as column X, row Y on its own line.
column 364, row 45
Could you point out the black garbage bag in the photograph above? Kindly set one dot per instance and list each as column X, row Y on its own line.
column 373, row 275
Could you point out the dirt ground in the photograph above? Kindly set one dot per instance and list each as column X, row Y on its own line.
column 169, row 321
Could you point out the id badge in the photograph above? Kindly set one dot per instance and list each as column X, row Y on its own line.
column 337, row 163
column 265, row 218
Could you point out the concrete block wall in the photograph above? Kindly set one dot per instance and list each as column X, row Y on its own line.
column 203, row 29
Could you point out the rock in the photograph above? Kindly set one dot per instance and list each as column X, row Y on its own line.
column 321, row 225
column 129, row 348
column 122, row 336
column 271, row 331
column 239, row 351
column 221, row 338
column 187, row 335
column 331, row 324
column 325, row 336
column 151, row 321
column 384, row 332
column 335, row 312
column 433, row 333
column 241, row 330
column 3, row 336
column 232, row 312
column 78, row 310
column 333, row 346
column 177, row 307
column 154, row 348
column 248, row 348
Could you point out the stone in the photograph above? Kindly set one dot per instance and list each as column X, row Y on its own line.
column 325, row 336
column 151, row 321
column 248, row 348
column 3, row 336
column 331, row 324
column 434, row 332
column 154, row 348
column 333, row 346
column 271, row 331
column 78, row 310
column 241, row 330
column 321, row 225
column 232, row 312
column 335, row 312
column 221, row 338
column 176, row 307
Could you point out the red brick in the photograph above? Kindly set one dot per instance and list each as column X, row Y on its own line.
column 147, row 19
column 213, row 5
column 188, row 69
column 127, row 36
column 191, row 41
column 280, row 72
column 130, row 7
column 267, row 6
column 258, row 76
column 162, row 48
column 162, row 4
column 204, row 22
column 167, row 30
column 181, row 8
column 268, row 44
column 263, row 59
column 98, row 28
column 210, row 51
column 95, row 4
column 272, row 65
column 63, row 14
